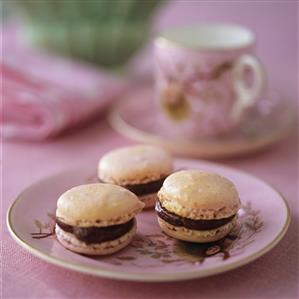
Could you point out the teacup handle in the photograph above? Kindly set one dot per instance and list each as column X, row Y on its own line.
column 247, row 96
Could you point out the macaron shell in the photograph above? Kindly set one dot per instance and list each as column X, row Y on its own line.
column 97, row 205
column 70, row 242
column 197, row 236
column 199, row 195
column 135, row 165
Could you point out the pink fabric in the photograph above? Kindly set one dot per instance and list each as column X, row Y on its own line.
column 274, row 275
column 44, row 95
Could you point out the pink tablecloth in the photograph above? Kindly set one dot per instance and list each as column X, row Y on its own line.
column 275, row 275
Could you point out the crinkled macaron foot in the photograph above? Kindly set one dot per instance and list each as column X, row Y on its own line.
column 70, row 242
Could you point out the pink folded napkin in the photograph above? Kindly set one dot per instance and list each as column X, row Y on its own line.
column 43, row 95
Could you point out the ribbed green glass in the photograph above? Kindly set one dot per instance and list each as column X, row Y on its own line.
column 104, row 32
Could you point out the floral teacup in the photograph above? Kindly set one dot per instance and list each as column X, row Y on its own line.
column 202, row 76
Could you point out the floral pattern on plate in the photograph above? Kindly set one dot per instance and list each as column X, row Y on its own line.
column 170, row 251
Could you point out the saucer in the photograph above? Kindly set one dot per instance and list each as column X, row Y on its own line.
column 138, row 117
column 153, row 256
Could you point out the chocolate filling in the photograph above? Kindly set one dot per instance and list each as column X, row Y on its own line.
column 176, row 220
column 144, row 189
column 93, row 234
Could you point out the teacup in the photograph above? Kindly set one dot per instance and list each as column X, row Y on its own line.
column 202, row 72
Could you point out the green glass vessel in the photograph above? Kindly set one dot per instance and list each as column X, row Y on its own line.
column 103, row 32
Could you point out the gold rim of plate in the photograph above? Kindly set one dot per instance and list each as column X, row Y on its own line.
column 141, row 276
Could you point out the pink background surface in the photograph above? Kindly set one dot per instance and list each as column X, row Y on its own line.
column 273, row 276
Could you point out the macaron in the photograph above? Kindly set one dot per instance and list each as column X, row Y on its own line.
column 197, row 206
column 96, row 219
column 141, row 169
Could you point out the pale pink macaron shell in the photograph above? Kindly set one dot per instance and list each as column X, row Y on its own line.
column 199, row 195
column 138, row 164
column 97, row 205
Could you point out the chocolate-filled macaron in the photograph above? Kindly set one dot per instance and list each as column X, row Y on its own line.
column 96, row 219
column 141, row 169
column 197, row 206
